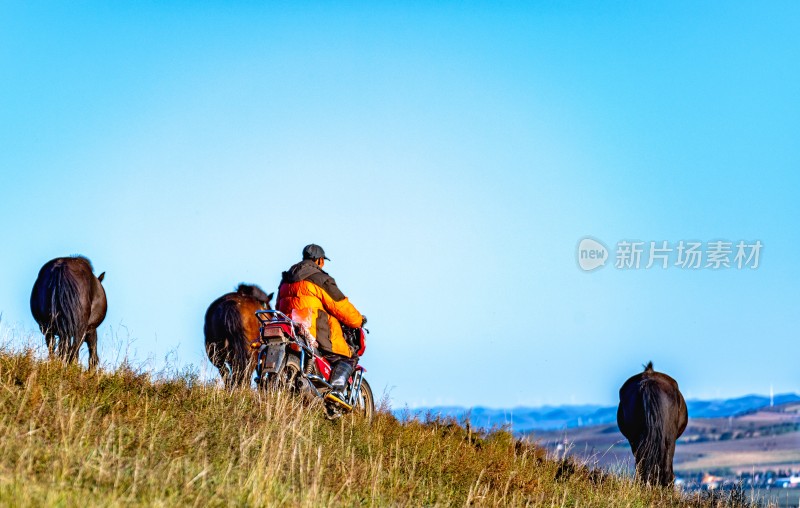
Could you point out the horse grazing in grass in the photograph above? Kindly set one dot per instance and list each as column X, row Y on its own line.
column 652, row 415
column 230, row 327
column 69, row 302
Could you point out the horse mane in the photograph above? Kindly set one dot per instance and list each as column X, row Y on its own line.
column 254, row 291
column 83, row 258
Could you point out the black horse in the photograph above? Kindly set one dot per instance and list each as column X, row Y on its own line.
column 230, row 327
column 652, row 415
column 69, row 302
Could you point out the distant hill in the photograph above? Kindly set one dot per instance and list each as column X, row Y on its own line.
column 767, row 438
column 525, row 419
column 735, row 407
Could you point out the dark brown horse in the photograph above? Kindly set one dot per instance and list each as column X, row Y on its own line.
column 652, row 415
column 230, row 327
column 69, row 302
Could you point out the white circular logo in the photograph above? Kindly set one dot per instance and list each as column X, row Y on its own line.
column 592, row 254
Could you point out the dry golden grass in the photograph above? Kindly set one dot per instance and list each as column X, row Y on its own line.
column 73, row 438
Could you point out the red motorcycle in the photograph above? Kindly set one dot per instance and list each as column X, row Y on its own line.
column 288, row 359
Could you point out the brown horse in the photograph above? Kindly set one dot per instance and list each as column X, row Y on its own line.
column 230, row 327
column 69, row 302
column 652, row 415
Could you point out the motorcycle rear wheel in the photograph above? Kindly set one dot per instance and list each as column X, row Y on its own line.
column 288, row 377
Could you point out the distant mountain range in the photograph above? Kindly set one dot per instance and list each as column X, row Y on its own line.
column 524, row 419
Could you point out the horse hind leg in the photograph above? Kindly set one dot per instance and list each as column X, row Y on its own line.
column 50, row 340
column 91, row 343
column 667, row 473
column 251, row 367
column 237, row 374
column 243, row 364
column 218, row 356
column 62, row 346
column 75, row 347
column 71, row 352
column 243, row 373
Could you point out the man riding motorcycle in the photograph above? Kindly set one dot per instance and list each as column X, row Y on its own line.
column 315, row 298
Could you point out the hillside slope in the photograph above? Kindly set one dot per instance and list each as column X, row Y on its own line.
column 74, row 438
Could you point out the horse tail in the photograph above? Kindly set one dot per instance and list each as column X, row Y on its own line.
column 232, row 328
column 65, row 305
column 215, row 343
column 652, row 450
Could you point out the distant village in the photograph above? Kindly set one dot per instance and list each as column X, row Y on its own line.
column 768, row 479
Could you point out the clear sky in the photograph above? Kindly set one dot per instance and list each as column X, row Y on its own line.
column 449, row 156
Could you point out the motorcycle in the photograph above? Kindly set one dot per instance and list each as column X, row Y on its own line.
column 288, row 359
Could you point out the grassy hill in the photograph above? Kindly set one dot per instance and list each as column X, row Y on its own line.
column 73, row 438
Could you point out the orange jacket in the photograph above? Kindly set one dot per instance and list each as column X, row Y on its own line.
column 306, row 288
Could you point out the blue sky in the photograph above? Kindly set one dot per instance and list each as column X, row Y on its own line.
column 448, row 156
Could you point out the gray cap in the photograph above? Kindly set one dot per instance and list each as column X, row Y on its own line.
column 314, row 251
